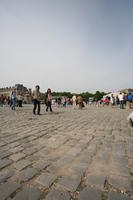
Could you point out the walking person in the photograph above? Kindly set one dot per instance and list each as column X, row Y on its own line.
column 36, row 100
column 13, row 99
column 48, row 100
column 121, row 100
column 20, row 99
column 129, row 99
column 80, row 102
column 74, row 99
column 112, row 100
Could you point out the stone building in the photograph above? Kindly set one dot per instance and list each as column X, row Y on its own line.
column 26, row 93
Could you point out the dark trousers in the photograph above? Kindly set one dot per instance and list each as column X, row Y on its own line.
column 49, row 106
column 20, row 103
column 36, row 104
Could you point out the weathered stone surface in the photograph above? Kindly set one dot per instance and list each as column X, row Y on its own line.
column 30, row 151
column 17, row 156
column 16, row 149
column 22, row 164
column 40, row 165
column 46, row 179
column 90, row 194
column 27, row 174
column 58, row 195
column 6, row 175
column 28, row 194
column 121, row 183
column 118, row 196
column 5, row 154
column 7, row 189
column 76, row 146
column 96, row 180
column 70, row 183
column 4, row 163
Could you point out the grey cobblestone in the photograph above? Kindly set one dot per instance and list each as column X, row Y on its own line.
column 46, row 179
column 27, row 174
column 28, row 194
column 66, row 152
column 7, row 189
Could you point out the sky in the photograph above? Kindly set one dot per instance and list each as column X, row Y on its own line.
column 67, row 45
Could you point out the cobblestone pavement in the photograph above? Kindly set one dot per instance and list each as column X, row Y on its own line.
column 67, row 154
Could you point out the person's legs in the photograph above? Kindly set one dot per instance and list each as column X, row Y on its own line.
column 13, row 104
column 38, row 103
column 50, row 107
column 80, row 106
column 122, row 104
column 47, row 107
column 35, row 104
column 18, row 103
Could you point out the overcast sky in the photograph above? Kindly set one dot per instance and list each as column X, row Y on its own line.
column 67, row 45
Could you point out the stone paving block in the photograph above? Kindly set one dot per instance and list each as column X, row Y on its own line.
column 28, row 194
column 27, row 174
column 5, row 154
column 70, row 183
column 30, row 151
column 96, row 180
column 121, row 183
column 15, row 144
column 46, row 179
column 17, row 156
column 90, row 194
column 40, row 165
column 2, row 144
column 58, row 195
column 118, row 196
column 8, row 189
column 4, row 176
column 22, row 164
column 4, row 163
column 16, row 149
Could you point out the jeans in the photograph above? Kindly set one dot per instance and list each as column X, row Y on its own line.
column 49, row 106
column 13, row 104
column 36, row 104
column 121, row 105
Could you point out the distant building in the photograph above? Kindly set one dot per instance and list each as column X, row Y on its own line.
column 27, row 93
column 127, row 91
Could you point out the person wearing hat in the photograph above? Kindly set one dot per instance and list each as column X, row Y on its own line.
column 36, row 100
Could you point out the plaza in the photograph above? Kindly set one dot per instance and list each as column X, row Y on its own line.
column 68, row 154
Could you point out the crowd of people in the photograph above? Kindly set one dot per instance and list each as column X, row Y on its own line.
column 16, row 99
column 124, row 100
column 13, row 100
column 48, row 100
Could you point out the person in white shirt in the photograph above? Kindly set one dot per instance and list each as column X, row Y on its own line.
column 121, row 100
column 74, row 99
